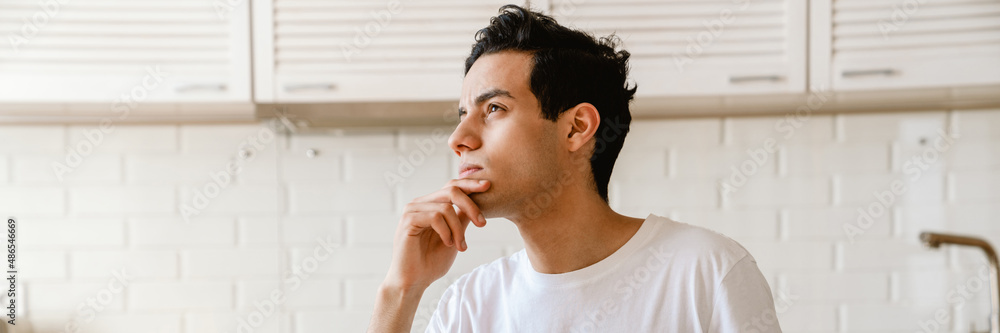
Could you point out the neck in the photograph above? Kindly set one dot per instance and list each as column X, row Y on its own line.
column 577, row 229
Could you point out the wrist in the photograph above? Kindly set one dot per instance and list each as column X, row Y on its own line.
column 395, row 307
column 401, row 290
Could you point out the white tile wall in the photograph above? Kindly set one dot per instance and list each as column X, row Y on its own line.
column 318, row 230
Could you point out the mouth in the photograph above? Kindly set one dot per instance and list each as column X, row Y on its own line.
column 467, row 169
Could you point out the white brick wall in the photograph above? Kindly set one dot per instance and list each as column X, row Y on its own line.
column 138, row 263
column 32, row 139
column 212, row 271
column 114, row 200
column 181, row 295
column 34, row 200
column 128, row 139
column 37, row 170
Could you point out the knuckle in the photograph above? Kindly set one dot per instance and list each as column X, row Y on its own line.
column 408, row 219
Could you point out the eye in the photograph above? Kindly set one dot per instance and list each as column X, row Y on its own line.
column 493, row 108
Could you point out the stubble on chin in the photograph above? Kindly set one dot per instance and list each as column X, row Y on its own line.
column 497, row 205
column 490, row 203
column 481, row 201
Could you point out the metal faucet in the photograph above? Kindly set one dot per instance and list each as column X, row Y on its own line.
column 934, row 240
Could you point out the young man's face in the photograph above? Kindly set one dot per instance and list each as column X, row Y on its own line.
column 503, row 131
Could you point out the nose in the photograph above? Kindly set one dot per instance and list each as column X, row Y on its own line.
column 465, row 137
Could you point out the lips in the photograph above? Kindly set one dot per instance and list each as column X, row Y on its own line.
column 467, row 169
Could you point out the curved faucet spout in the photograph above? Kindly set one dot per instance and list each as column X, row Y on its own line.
column 935, row 240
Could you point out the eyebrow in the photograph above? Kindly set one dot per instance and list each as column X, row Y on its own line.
column 486, row 96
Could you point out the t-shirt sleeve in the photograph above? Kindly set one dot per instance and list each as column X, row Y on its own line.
column 447, row 309
column 743, row 301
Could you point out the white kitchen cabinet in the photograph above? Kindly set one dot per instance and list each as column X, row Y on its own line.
column 691, row 48
column 904, row 44
column 308, row 51
column 120, row 51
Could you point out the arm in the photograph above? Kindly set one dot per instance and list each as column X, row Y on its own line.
column 427, row 240
column 743, row 301
column 395, row 308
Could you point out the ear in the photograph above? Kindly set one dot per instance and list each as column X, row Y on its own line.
column 583, row 120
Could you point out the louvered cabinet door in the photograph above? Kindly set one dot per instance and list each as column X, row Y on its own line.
column 708, row 47
column 119, row 51
column 364, row 50
column 894, row 44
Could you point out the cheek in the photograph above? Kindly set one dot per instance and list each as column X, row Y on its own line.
column 530, row 159
column 504, row 154
column 507, row 156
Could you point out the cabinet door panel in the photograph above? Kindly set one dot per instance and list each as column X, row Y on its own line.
column 362, row 50
column 685, row 48
column 909, row 44
column 98, row 51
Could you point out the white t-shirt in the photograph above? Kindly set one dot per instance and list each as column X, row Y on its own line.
column 669, row 277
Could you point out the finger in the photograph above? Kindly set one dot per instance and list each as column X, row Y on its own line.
column 469, row 185
column 465, row 221
column 459, row 197
column 464, row 216
column 421, row 216
column 446, row 213
column 455, row 224
column 467, row 207
column 440, row 225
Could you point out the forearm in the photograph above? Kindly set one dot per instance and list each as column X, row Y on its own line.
column 394, row 309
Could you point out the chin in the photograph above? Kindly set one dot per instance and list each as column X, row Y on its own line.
column 497, row 206
column 479, row 199
column 485, row 202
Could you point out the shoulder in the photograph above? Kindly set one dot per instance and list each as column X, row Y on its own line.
column 697, row 247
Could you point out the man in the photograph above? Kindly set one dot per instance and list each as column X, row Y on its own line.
column 543, row 116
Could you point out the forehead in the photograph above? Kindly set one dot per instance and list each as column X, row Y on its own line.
column 507, row 70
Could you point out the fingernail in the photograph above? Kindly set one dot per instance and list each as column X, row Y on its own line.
column 482, row 181
column 464, row 246
column 482, row 218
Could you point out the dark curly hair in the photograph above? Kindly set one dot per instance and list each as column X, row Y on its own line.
column 570, row 67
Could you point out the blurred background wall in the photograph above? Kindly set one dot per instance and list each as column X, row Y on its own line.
column 311, row 215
